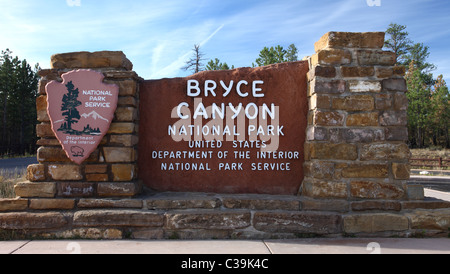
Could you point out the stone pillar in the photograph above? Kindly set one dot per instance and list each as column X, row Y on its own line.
column 356, row 136
column 111, row 170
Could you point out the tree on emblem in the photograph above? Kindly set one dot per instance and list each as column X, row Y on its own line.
column 69, row 108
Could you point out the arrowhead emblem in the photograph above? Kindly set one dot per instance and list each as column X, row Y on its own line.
column 81, row 109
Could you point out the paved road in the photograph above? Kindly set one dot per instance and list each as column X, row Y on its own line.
column 439, row 183
column 8, row 167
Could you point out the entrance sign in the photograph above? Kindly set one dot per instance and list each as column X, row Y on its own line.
column 236, row 131
column 81, row 109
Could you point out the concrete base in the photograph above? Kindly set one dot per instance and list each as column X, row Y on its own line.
column 296, row 246
column 215, row 216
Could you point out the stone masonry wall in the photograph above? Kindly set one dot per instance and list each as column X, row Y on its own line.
column 111, row 170
column 356, row 165
column 356, row 134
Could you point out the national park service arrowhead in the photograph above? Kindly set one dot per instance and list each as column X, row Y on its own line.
column 81, row 109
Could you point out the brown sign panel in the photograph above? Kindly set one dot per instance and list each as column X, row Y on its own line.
column 236, row 131
column 81, row 109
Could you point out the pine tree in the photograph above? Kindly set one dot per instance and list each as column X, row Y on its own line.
column 441, row 112
column 419, row 110
column 398, row 42
column 69, row 106
column 217, row 65
column 18, row 92
column 292, row 53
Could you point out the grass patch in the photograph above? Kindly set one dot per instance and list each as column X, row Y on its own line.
column 8, row 180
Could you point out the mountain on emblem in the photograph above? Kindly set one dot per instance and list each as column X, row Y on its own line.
column 78, row 120
column 94, row 115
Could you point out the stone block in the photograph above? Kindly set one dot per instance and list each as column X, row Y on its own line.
column 126, row 87
column 438, row 219
column 297, row 222
column 52, row 154
column 48, row 142
column 332, row 57
column 119, row 154
column 17, row 204
column 321, row 169
column 365, row 171
column 121, row 128
column 328, row 118
column 36, row 173
column 65, row 172
column 416, row 192
column 97, row 177
column 375, row 58
column 325, row 205
column 109, row 203
column 29, row 190
column 425, row 204
column 322, row 71
column 125, row 114
column 361, row 135
column 44, row 130
column 123, row 172
column 117, row 189
column 41, row 109
column 26, row 221
column 354, row 103
column 324, row 189
column 123, row 140
column 395, row 84
column 117, row 218
column 388, row 72
column 127, row 101
column 254, row 202
column 396, row 133
column 47, row 204
column 393, row 118
column 376, row 190
column 401, row 171
column 400, row 101
column 100, row 59
column 376, row 205
column 364, row 86
column 353, row 72
column 317, row 134
column 76, row 189
column 323, row 151
column 369, row 119
column 375, row 222
column 383, row 101
column 88, row 233
column 205, row 219
column 374, row 40
column 182, row 201
column 95, row 169
column 148, row 234
column 385, row 151
column 327, row 87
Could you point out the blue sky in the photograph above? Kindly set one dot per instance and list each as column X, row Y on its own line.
column 157, row 36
